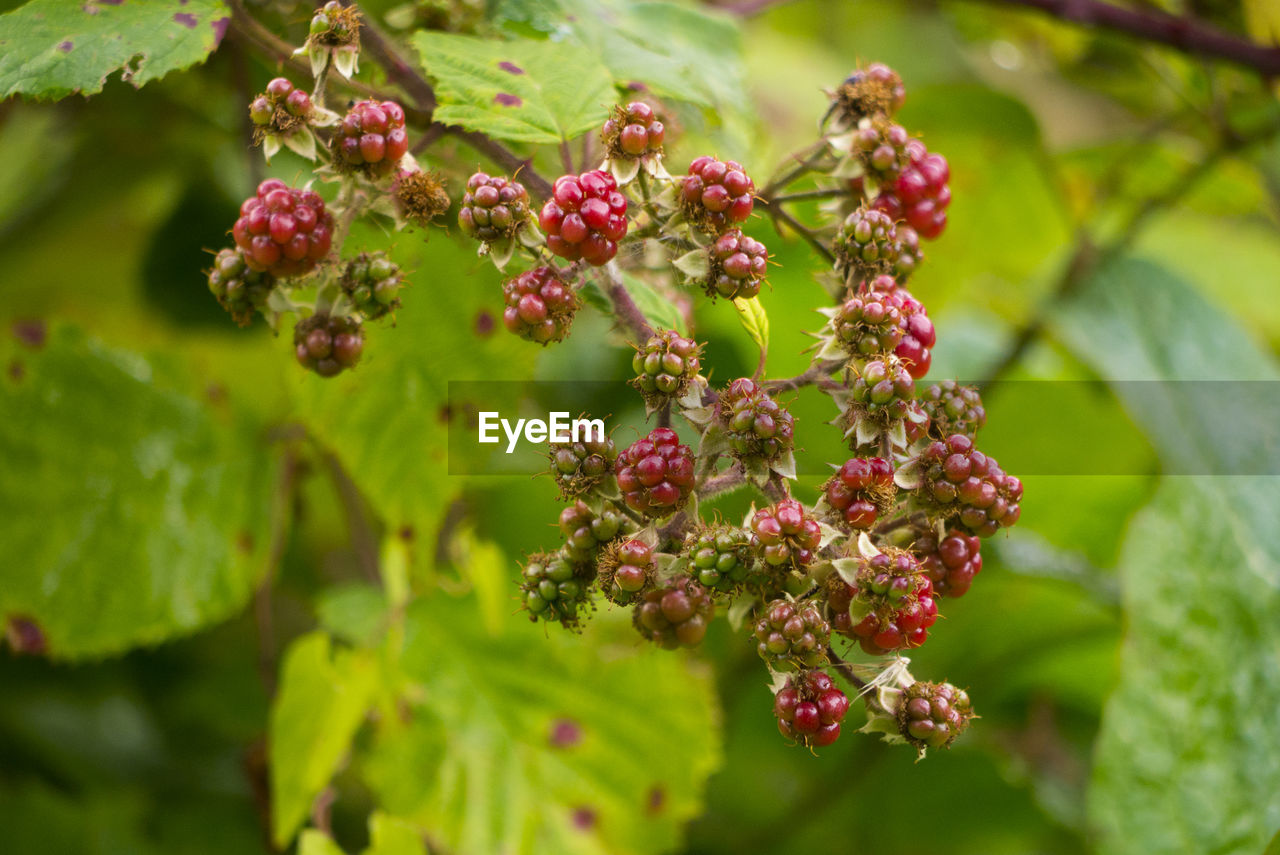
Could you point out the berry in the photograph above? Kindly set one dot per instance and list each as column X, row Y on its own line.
column 372, row 282
column 335, row 25
column 493, row 207
column 868, row 325
column 585, row 218
column 282, row 230
column 239, row 289
column 419, row 197
column 950, row 563
column 632, row 131
column 876, row 90
column 960, row 482
column 932, row 715
column 919, row 194
column 785, row 535
column 792, row 635
column 757, row 426
column 371, row 138
column 580, row 467
column 280, row 111
column 881, row 147
column 869, row 245
column 664, row 365
column 540, row 305
column 953, row 408
column 327, row 345
column 626, row 571
column 891, row 606
column 586, row 531
column 918, row 334
column 882, row 391
column 655, row 474
column 716, row 194
column 676, row 615
column 553, row 588
column 861, row 491
column 809, row 709
column 738, row 264
column 720, row 559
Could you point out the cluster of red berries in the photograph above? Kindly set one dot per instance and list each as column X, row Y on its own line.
column 738, row 263
column 282, row 230
column 809, row 709
column 327, row 345
column 281, row 108
column 655, row 474
column 493, row 207
column 372, row 137
column 861, row 491
column 540, row 305
column 585, row 218
column 632, row 131
column 717, row 194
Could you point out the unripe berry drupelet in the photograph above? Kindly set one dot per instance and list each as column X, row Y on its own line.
column 676, row 615
column 950, row 563
column 664, row 365
column 961, row 483
column 932, row 715
column 239, row 289
column 720, row 558
column 626, row 571
column 757, row 426
column 891, row 607
column 792, row 635
column 785, row 535
column 861, row 491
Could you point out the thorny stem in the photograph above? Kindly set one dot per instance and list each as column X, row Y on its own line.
column 624, row 307
column 817, row 374
column 731, row 479
column 779, row 214
column 845, row 669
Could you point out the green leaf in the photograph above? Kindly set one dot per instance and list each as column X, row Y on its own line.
column 323, row 697
column 1185, row 761
column 134, row 514
column 661, row 311
column 538, row 741
column 754, row 320
column 312, row 842
column 520, row 90
column 53, row 48
column 392, row 836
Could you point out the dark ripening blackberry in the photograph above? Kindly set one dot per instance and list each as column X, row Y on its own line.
column 540, row 306
column 961, row 484
column 493, row 207
column 809, row 709
column 890, row 606
column 371, row 138
column 720, row 558
column 676, row 615
column 792, row 635
column 553, row 588
column 626, row 570
column 784, row 535
column 581, row 467
column 716, row 194
column 328, row 345
column 585, row 218
column 655, row 474
column 239, row 289
column 664, row 365
column 861, row 492
column 283, row 231
column 738, row 264
column 932, row 715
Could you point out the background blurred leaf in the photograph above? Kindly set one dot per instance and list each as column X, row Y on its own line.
column 154, row 516
column 52, row 48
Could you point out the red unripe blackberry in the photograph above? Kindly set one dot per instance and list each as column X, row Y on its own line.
column 239, row 289
column 881, row 146
column 580, row 467
column 655, row 474
column 950, row 563
column 932, row 715
column 720, row 558
column 493, row 207
column 738, row 264
column 861, row 491
column 585, row 218
column 919, row 194
column 585, row 531
column 756, row 425
column 553, row 588
column 918, row 334
column 809, row 709
column 792, row 635
column 283, row 231
column 327, row 345
column 868, row 324
column 785, row 535
column 280, row 110
column 626, row 570
column 371, row 138
column 632, row 131
column 891, row 606
column 664, row 365
column 540, row 306
column 676, row 615
column 961, row 483
column 952, row 409
column 716, row 194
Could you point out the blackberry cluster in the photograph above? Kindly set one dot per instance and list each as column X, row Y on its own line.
column 792, row 635
column 919, row 194
column 281, row 110
column 868, row 325
column 540, row 306
column 716, row 194
column 720, row 558
column 918, row 334
column 961, row 483
column 882, row 391
column 869, row 245
column 737, row 266
column 953, row 409
column 950, row 563
column 372, row 138
column 655, row 474
column 372, row 282
column 809, row 709
column 283, row 231
column 327, row 345
column 239, row 288
column 785, row 535
column 664, row 366
column 757, row 426
column 586, row 531
column 881, row 147
column 493, row 207
column 581, row 467
column 932, row 715
column 861, row 491
column 632, row 131
column 676, row 615
column 626, row 571
column 585, row 218
column 891, row 607
column 554, row 588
